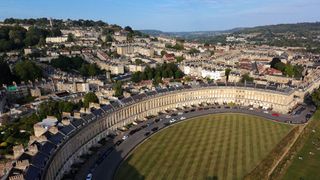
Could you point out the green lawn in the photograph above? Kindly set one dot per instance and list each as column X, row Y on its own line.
column 309, row 167
column 220, row 146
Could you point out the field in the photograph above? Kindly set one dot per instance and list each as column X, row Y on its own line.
column 307, row 167
column 220, row 146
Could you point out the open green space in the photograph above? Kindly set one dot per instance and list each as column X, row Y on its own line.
column 219, row 146
column 306, row 163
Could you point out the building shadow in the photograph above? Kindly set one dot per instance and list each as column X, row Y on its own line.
column 109, row 164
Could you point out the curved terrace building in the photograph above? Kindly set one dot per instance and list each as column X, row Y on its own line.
column 96, row 125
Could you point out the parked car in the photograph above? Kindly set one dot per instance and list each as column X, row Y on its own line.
column 155, row 129
column 125, row 137
column 147, row 133
column 119, row 142
column 89, row 176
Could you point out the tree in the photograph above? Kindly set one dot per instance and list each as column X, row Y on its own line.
column 27, row 70
column 280, row 66
column 129, row 29
column 246, row 78
column 157, row 80
column 194, row 51
column 117, row 87
column 179, row 59
column 6, row 76
column 136, row 77
column 90, row 97
column 274, row 62
column 289, row 70
column 70, row 37
column 178, row 74
column 93, row 70
column 227, row 73
column 33, row 36
column 163, row 53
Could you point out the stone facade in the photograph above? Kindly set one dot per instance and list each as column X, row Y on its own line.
column 99, row 125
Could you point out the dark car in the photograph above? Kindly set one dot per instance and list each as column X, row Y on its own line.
column 147, row 133
column 308, row 116
column 119, row 142
column 157, row 120
column 144, row 126
column 155, row 129
column 166, row 123
column 134, row 131
column 112, row 136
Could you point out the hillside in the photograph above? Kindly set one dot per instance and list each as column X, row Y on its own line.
column 299, row 34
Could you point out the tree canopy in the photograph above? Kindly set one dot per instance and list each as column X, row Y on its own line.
column 90, row 97
column 166, row 70
column 246, row 78
column 6, row 76
column 117, row 87
column 76, row 64
column 27, row 70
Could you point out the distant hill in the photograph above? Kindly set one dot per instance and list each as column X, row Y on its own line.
column 284, row 28
column 305, row 34
column 154, row 32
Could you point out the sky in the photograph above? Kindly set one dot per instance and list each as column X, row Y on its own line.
column 169, row 15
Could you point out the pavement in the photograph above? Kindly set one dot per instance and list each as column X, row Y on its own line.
column 104, row 164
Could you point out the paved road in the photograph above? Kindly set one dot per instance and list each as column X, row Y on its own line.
column 109, row 161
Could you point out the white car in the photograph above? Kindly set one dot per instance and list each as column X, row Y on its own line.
column 89, row 176
column 251, row 109
column 125, row 137
column 267, row 112
column 182, row 118
column 172, row 120
column 168, row 116
column 180, row 113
